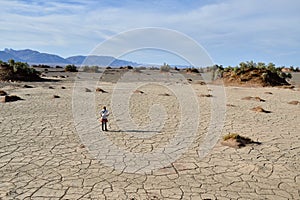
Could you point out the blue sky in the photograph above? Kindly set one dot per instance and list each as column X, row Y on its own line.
column 231, row 31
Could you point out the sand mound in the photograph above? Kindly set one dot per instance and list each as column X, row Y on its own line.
column 236, row 141
column 260, row 109
column 253, row 98
column 253, row 77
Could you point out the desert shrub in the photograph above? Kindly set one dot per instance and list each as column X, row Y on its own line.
column 137, row 70
column 71, row 68
column 18, row 71
column 92, row 69
column 192, row 70
column 165, row 68
column 154, row 68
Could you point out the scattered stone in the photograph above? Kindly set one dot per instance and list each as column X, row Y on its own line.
column 139, row 91
column 81, row 146
column 254, row 99
column 237, row 141
column 201, row 82
column 62, row 87
column 288, row 86
column 206, row 95
column 87, row 90
column 3, row 93
column 50, row 87
column 190, row 80
column 230, row 105
column 165, row 94
column 62, row 76
column 101, row 90
column 56, row 96
column 268, row 93
column 260, row 109
column 11, row 98
column 27, row 86
column 294, row 102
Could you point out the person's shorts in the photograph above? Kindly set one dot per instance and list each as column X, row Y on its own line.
column 104, row 120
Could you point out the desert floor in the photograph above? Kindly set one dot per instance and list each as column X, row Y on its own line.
column 163, row 140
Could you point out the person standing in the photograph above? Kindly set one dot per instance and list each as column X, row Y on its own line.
column 104, row 114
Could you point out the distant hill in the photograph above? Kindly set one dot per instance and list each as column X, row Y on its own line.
column 4, row 56
column 100, row 61
column 35, row 57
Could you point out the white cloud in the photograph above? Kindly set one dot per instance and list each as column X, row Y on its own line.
column 223, row 27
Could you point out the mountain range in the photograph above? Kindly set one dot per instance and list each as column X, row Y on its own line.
column 35, row 57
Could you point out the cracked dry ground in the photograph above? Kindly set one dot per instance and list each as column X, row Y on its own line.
column 42, row 156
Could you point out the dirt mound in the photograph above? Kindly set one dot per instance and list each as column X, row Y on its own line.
column 254, row 77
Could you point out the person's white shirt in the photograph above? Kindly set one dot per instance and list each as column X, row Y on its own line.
column 104, row 114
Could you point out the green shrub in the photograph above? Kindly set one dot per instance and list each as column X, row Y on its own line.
column 92, row 69
column 71, row 68
column 18, row 71
column 165, row 68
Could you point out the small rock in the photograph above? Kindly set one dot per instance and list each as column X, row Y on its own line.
column 165, row 94
column 230, row 105
column 56, row 96
column 100, row 90
column 260, row 109
column 27, row 86
column 11, row 98
column 62, row 87
column 294, row 102
column 139, row 91
column 50, row 87
column 268, row 93
column 87, row 90
column 253, row 98
column 206, row 95
column 81, row 146
column 3, row 93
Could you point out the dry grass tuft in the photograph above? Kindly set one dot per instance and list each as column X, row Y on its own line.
column 235, row 140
